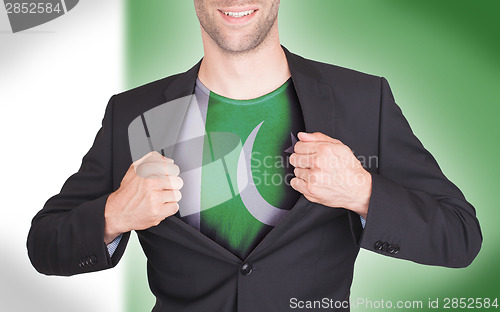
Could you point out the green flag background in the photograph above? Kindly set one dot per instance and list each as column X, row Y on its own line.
column 441, row 59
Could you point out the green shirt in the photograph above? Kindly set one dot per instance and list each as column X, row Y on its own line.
column 252, row 140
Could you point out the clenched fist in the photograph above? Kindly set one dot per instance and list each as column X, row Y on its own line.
column 327, row 172
column 148, row 193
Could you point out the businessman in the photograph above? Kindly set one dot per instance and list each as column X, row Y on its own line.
column 217, row 234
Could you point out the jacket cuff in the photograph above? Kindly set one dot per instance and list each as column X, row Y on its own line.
column 87, row 233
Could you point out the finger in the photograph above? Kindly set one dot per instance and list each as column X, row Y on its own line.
column 311, row 147
column 170, row 160
column 172, row 169
column 132, row 169
column 301, row 173
column 302, row 160
column 147, row 156
column 171, row 208
column 170, row 196
column 305, row 147
column 315, row 147
column 312, row 176
column 298, row 184
column 157, row 157
column 152, row 156
column 301, row 186
column 316, row 136
column 157, row 169
column 171, row 183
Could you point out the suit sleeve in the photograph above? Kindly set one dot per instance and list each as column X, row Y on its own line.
column 415, row 212
column 67, row 236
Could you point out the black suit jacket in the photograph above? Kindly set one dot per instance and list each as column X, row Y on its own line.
column 415, row 212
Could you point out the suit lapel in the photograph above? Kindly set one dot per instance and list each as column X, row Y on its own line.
column 317, row 104
column 316, row 98
column 183, row 84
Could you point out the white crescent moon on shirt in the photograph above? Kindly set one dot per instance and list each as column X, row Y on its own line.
column 253, row 201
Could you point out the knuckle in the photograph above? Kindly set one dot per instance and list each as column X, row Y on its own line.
column 346, row 150
column 177, row 170
column 311, row 198
column 167, row 183
column 172, row 208
column 172, row 169
column 317, row 161
column 158, row 220
column 142, row 170
column 144, row 166
column 322, row 148
column 179, row 182
column 327, row 149
column 313, row 176
column 299, row 161
column 154, row 156
column 167, row 196
column 311, row 189
column 337, row 142
column 147, row 183
column 304, row 162
column 177, row 195
column 298, row 146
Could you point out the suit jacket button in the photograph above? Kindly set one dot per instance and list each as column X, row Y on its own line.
column 378, row 245
column 384, row 246
column 246, row 269
column 396, row 249
column 390, row 249
column 93, row 260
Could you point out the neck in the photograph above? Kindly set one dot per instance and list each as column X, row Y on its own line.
column 244, row 75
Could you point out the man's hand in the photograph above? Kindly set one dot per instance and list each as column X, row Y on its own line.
column 327, row 172
column 148, row 193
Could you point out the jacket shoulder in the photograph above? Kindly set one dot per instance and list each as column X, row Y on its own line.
column 339, row 75
column 153, row 91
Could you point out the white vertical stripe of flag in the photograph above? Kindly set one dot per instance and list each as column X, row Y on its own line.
column 55, row 82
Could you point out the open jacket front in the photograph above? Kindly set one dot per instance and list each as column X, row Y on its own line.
column 415, row 212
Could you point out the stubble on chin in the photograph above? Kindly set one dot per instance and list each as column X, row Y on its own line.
column 246, row 44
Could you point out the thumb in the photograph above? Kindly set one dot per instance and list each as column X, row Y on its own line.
column 316, row 136
column 152, row 156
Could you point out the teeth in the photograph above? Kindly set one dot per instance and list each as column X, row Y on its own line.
column 239, row 14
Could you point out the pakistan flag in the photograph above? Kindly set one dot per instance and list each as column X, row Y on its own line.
column 254, row 139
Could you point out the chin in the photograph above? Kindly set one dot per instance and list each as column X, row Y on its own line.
column 239, row 45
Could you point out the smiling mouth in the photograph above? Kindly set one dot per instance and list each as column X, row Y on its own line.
column 238, row 14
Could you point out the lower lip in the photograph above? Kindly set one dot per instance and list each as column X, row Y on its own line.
column 237, row 20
